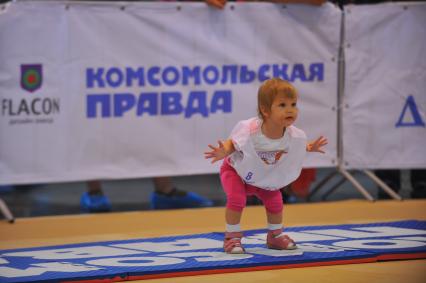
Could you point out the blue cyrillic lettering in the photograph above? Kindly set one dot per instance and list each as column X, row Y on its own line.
column 280, row 72
column 152, row 79
column 262, row 72
column 103, row 100
column 148, row 103
column 298, row 73
column 214, row 77
column 221, row 100
column 137, row 74
column 170, row 80
column 246, row 75
column 232, row 70
column 197, row 103
column 171, row 103
column 316, row 70
column 411, row 107
column 123, row 102
column 92, row 77
column 114, row 77
column 187, row 73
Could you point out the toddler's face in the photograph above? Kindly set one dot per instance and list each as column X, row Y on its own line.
column 283, row 110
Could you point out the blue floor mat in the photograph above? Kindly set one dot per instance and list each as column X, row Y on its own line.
column 202, row 253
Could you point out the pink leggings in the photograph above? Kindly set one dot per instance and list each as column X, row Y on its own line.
column 237, row 191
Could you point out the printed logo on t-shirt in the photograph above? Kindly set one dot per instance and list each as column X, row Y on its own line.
column 271, row 157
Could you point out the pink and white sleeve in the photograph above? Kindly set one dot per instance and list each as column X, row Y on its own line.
column 240, row 134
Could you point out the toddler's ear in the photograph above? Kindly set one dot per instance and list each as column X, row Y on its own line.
column 265, row 111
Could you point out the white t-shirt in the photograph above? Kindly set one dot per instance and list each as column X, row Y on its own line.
column 270, row 150
column 266, row 163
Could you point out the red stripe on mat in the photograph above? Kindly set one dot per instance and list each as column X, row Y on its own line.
column 255, row 268
column 401, row 256
column 104, row 280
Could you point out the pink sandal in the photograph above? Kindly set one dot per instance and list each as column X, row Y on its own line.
column 232, row 243
column 278, row 241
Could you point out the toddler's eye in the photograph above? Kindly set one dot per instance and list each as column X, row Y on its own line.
column 282, row 104
column 294, row 104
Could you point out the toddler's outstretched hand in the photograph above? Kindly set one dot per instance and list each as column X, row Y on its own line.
column 219, row 4
column 315, row 146
column 217, row 153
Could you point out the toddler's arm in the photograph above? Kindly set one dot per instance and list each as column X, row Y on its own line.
column 315, row 146
column 224, row 149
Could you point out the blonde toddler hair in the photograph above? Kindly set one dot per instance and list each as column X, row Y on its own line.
column 269, row 90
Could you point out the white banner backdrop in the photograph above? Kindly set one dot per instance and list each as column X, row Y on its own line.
column 385, row 92
column 125, row 90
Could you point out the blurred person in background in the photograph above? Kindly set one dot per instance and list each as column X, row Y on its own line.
column 165, row 196
column 392, row 178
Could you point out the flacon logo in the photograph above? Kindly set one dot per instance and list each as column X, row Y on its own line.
column 23, row 109
column 31, row 77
